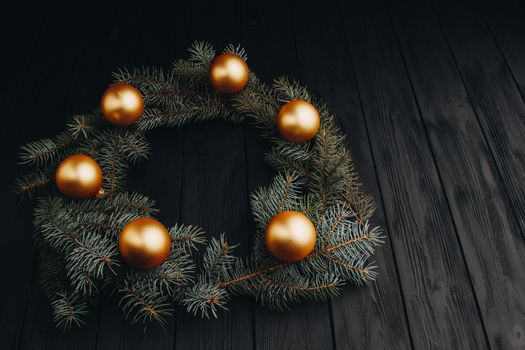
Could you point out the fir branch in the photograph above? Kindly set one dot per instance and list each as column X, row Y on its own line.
column 82, row 126
column 135, row 146
column 205, row 298
column 32, row 184
column 92, row 252
column 257, row 101
column 334, row 219
column 43, row 151
column 361, row 239
column 143, row 307
column 126, row 202
column 69, row 308
column 362, row 205
column 281, row 294
column 201, row 53
column 154, row 118
column 175, row 272
column 283, row 194
column 187, row 237
column 287, row 91
column 236, row 50
column 148, row 80
column 218, row 258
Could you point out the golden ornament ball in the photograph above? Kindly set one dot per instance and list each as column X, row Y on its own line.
column 144, row 243
column 122, row 104
column 298, row 121
column 290, row 236
column 78, row 176
column 228, row 73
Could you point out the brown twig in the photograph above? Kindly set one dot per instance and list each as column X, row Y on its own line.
column 291, row 286
column 32, row 186
column 174, row 114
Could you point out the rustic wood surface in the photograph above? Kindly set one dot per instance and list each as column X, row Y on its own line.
column 432, row 97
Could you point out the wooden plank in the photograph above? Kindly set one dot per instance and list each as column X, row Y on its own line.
column 18, row 88
column 160, row 175
column 364, row 317
column 18, row 53
column 506, row 23
column 521, row 4
column 441, row 307
column 268, row 38
column 214, row 190
column 492, row 93
column 82, row 50
column 42, row 93
column 477, row 198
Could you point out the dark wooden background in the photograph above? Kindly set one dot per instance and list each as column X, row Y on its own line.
column 431, row 95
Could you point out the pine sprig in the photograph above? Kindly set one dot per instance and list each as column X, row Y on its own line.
column 201, row 53
column 33, row 184
column 187, row 237
column 287, row 90
column 236, row 50
column 69, row 308
column 205, row 297
column 141, row 306
column 90, row 252
column 41, row 152
column 283, row 194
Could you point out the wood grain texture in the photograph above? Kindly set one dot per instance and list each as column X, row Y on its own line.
column 21, row 58
column 492, row 92
column 374, row 317
column 214, row 192
column 431, row 96
column 76, row 84
column 145, row 40
column 269, row 38
column 47, row 75
column 506, row 23
column 441, row 307
column 487, row 229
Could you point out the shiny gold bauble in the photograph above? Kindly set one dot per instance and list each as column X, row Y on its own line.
column 228, row 73
column 122, row 104
column 144, row 243
column 290, row 236
column 298, row 121
column 78, row 176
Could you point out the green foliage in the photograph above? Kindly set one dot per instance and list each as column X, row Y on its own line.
column 68, row 306
column 77, row 240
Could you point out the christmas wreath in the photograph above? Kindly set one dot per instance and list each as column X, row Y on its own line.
column 94, row 237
